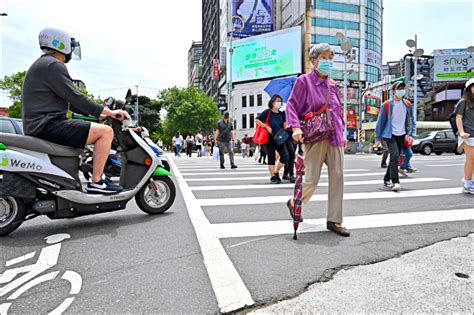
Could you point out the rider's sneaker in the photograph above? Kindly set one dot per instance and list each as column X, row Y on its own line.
column 104, row 186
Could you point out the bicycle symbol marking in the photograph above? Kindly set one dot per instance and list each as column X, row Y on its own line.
column 47, row 259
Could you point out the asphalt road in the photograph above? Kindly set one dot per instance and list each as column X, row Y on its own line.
column 230, row 244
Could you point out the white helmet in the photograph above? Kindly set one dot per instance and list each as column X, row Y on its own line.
column 61, row 41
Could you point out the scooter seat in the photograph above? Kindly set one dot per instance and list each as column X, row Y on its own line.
column 37, row 145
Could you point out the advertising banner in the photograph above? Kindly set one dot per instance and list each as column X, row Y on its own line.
column 250, row 17
column 268, row 55
column 453, row 65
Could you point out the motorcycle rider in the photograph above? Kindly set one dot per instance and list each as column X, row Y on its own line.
column 48, row 93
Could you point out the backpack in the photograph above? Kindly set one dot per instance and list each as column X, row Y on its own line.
column 387, row 106
column 452, row 120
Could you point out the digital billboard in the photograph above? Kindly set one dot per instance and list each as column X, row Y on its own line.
column 264, row 56
column 250, row 17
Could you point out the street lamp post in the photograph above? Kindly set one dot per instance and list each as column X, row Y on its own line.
column 346, row 46
column 417, row 53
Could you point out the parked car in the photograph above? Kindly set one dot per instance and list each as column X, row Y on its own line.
column 437, row 142
column 11, row 125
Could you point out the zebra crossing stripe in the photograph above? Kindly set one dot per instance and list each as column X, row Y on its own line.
column 233, row 178
column 280, row 186
column 324, row 197
column 260, row 171
column 253, row 229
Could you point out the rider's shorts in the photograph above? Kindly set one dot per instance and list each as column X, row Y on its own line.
column 68, row 132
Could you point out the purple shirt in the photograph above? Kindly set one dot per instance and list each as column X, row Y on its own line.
column 309, row 95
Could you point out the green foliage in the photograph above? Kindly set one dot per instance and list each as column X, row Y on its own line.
column 12, row 84
column 187, row 110
column 15, row 110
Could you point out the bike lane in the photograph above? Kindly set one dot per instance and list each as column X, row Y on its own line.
column 126, row 261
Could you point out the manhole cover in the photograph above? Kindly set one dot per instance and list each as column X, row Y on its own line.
column 462, row 275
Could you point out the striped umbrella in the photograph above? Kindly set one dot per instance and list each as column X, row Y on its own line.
column 298, row 193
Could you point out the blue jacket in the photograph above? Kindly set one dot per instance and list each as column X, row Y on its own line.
column 383, row 128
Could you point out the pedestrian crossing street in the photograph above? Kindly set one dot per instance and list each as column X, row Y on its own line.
column 239, row 203
column 249, row 186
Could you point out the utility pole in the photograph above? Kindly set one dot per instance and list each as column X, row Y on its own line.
column 231, row 51
column 136, row 108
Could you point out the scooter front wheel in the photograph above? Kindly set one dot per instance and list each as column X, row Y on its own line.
column 12, row 214
column 157, row 196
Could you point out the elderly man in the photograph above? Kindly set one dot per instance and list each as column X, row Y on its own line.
column 310, row 94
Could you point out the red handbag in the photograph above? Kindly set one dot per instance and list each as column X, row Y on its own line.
column 318, row 126
column 261, row 134
column 408, row 141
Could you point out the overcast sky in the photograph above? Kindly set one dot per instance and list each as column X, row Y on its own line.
column 145, row 42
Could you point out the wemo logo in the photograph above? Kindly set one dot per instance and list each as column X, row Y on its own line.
column 456, row 61
column 18, row 163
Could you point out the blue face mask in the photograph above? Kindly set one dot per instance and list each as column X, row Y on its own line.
column 278, row 105
column 400, row 93
column 325, row 66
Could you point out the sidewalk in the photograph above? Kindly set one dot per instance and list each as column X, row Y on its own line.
column 422, row 281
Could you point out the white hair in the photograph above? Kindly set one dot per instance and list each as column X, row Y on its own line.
column 317, row 49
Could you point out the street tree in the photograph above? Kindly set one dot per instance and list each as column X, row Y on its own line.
column 187, row 110
column 12, row 85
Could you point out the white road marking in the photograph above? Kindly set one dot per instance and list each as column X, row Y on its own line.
column 230, row 290
column 17, row 260
column 323, row 197
column 230, row 178
column 256, row 172
column 253, row 229
column 442, row 165
column 347, row 183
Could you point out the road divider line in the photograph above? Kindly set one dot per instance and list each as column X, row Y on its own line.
column 324, row 197
column 281, row 227
column 347, row 183
column 230, row 290
column 229, row 178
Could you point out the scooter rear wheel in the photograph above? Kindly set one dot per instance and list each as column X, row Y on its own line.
column 12, row 214
column 156, row 197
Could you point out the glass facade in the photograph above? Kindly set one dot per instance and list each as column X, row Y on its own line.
column 373, row 35
column 331, row 40
column 335, row 23
column 373, row 74
column 335, row 6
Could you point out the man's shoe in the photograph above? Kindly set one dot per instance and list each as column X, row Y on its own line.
column 388, row 184
column 396, row 187
column 233, row 166
column 223, row 167
column 411, row 170
column 104, row 186
column 292, row 179
column 338, row 229
column 286, row 177
column 383, row 165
